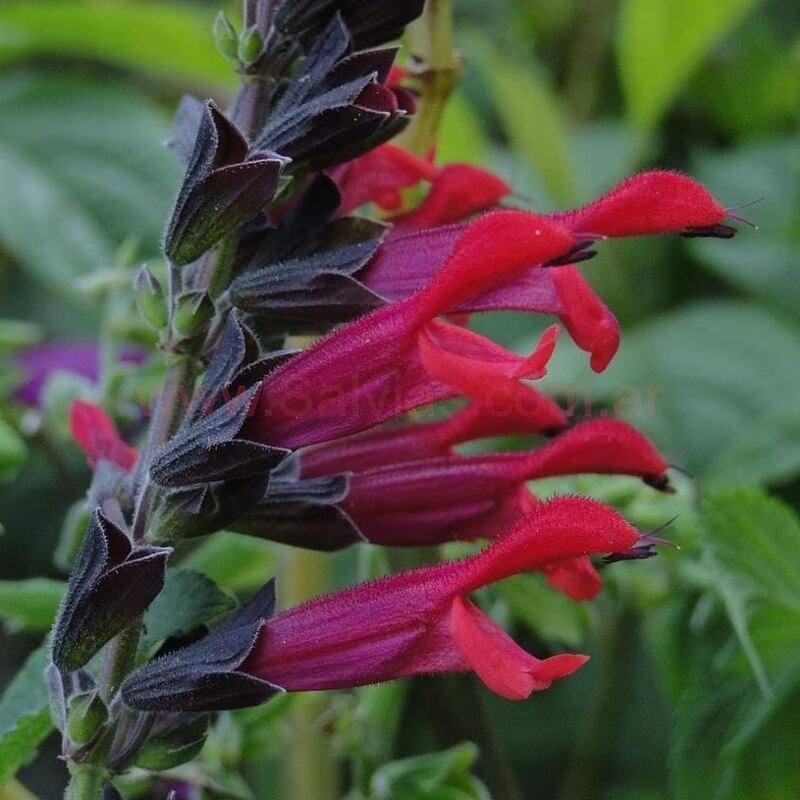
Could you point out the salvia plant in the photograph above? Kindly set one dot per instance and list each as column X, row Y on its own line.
column 320, row 278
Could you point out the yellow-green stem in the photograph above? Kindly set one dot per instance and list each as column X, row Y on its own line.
column 437, row 68
column 86, row 784
column 14, row 790
column 309, row 768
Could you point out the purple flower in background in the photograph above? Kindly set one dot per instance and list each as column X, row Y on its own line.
column 179, row 790
column 80, row 358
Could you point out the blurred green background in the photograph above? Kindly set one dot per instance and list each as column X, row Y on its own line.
column 694, row 691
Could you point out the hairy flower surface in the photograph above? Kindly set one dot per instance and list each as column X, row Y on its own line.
column 396, row 444
column 400, row 357
column 469, row 496
column 422, row 621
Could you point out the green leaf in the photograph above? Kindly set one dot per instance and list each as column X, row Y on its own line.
column 737, row 736
column 235, row 562
column 550, row 614
column 756, row 540
column 531, row 119
column 30, row 604
column 602, row 153
column 24, row 715
column 661, row 42
column 13, row 452
column 710, row 384
column 32, row 204
column 16, row 333
column 189, row 599
column 751, row 88
column 168, row 39
column 762, row 264
column 433, row 776
column 462, row 135
column 82, row 167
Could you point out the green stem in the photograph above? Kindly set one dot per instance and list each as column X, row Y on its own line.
column 119, row 661
column 616, row 639
column 431, row 42
column 171, row 405
column 217, row 268
column 309, row 769
column 590, row 46
column 86, row 783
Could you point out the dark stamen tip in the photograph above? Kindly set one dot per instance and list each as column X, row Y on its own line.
column 645, row 548
column 718, row 231
column 577, row 254
column 660, row 483
column 638, row 553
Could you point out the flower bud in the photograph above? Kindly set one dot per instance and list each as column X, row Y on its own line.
column 112, row 583
column 173, row 744
column 251, row 46
column 150, row 298
column 225, row 186
column 86, row 715
column 225, row 37
column 193, row 311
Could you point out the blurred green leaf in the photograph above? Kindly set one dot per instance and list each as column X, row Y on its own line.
column 752, row 88
column 462, row 135
column 235, row 562
column 434, row 776
column 550, row 614
column 16, row 333
column 82, row 167
column 764, row 264
column 13, row 451
column 531, row 119
column 169, row 39
column 30, row 604
column 260, row 727
column 189, row 599
column 737, row 736
column 661, row 42
column 709, row 383
column 603, row 153
column 24, row 714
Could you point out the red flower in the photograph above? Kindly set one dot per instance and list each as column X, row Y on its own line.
column 413, row 441
column 95, row 433
column 400, row 357
column 422, row 621
column 379, row 177
column 651, row 202
column 435, row 500
column 457, row 191
column 407, row 261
